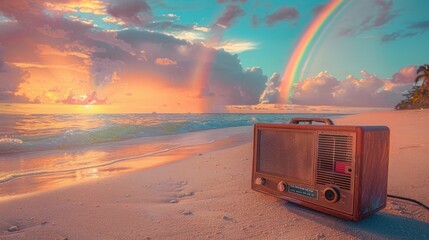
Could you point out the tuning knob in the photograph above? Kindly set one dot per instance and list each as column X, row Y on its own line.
column 260, row 181
column 282, row 186
column 331, row 194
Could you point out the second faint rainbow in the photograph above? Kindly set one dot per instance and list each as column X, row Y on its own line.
column 290, row 74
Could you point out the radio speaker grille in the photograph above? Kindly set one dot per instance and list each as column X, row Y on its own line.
column 334, row 160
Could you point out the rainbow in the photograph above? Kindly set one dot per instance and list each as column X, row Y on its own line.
column 204, row 68
column 290, row 74
column 200, row 77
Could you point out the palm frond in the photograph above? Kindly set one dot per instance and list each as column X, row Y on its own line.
column 423, row 68
column 419, row 77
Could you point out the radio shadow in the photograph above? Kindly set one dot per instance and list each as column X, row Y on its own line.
column 378, row 225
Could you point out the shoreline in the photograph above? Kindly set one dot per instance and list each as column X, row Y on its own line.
column 69, row 164
column 130, row 156
column 208, row 196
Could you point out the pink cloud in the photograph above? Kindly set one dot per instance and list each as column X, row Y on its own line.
column 406, row 75
column 366, row 91
column 317, row 89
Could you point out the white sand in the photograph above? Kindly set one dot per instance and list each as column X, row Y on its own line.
column 212, row 199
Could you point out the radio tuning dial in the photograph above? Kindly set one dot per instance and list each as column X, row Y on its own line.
column 282, row 186
column 260, row 181
column 331, row 194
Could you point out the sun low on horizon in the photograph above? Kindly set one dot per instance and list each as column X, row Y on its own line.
column 143, row 56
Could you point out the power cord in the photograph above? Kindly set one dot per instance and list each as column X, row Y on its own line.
column 408, row 199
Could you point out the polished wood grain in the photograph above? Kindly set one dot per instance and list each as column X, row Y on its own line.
column 371, row 187
column 371, row 159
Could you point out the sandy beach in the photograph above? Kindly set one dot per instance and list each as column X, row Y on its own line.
column 207, row 195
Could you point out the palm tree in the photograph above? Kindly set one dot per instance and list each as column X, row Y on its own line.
column 418, row 96
column 423, row 74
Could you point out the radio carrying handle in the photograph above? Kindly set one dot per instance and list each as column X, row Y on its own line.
column 327, row 121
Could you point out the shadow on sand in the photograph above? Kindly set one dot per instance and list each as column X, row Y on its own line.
column 381, row 225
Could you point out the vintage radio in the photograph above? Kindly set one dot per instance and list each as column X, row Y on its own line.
column 338, row 170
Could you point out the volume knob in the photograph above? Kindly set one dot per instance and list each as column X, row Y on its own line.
column 282, row 186
column 260, row 181
column 331, row 194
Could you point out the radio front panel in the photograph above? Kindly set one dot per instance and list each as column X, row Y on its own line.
column 339, row 170
column 307, row 165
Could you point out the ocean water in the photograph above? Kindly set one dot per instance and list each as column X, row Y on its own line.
column 24, row 133
column 41, row 145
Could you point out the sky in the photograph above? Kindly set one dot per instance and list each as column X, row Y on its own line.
column 200, row 56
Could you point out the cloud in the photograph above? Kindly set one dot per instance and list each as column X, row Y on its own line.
column 103, row 69
column 315, row 90
column 201, row 29
column 136, row 12
column 113, row 20
column 168, row 25
column 406, row 75
column 236, row 46
column 32, row 28
column 229, row 83
column 165, row 61
column 412, row 30
column 366, row 91
column 191, row 32
column 379, row 14
column 409, row 34
column 385, row 13
column 242, row 87
column 226, row 82
column 139, row 38
column 57, row 51
column 422, row 25
column 86, row 99
column 282, row 14
column 390, row 37
column 57, row 60
column 95, row 6
column 171, row 16
column 11, row 78
column 252, row 85
column 191, row 36
column 271, row 91
column 229, row 15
